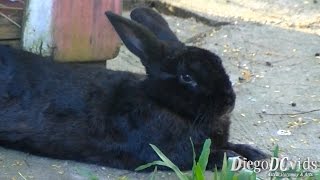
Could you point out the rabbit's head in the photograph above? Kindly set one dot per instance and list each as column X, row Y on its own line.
column 188, row 80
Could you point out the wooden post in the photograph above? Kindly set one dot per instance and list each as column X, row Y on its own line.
column 71, row 30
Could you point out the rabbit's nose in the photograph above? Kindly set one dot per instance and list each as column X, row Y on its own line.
column 229, row 106
column 230, row 109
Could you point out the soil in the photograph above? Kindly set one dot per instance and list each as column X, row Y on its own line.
column 271, row 51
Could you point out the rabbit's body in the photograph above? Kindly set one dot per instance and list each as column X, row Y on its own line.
column 90, row 114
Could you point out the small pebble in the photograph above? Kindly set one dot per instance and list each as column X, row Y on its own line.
column 241, row 79
column 282, row 132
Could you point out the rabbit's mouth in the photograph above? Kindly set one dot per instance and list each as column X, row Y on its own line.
column 210, row 117
column 226, row 109
column 221, row 102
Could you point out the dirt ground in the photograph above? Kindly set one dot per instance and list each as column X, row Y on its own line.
column 269, row 49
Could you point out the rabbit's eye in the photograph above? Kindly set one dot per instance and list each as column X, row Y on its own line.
column 187, row 79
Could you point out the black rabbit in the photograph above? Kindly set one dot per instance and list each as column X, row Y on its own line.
column 90, row 114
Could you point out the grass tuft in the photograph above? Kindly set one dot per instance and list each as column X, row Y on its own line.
column 199, row 167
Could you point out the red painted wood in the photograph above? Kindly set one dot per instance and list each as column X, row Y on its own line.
column 81, row 31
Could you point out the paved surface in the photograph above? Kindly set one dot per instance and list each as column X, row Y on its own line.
column 272, row 64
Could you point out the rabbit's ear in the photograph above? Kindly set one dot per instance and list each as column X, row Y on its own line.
column 155, row 23
column 140, row 41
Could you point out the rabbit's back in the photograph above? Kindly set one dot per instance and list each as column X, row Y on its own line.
column 31, row 78
column 36, row 90
column 89, row 114
column 68, row 111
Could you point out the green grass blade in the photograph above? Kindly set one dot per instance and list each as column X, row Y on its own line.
column 122, row 178
column 223, row 174
column 204, row 156
column 215, row 174
column 235, row 177
column 316, row 175
column 275, row 154
column 193, row 152
column 154, row 163
column 245, row 174
column 199, row 174
column 253, row 176
column 194, row 159
column 169, row 164
column 231, row 174
column 276, row 151
column 153, row 175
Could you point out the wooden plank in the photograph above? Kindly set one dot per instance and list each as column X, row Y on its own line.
column 71, row 30
column 85, row 34
column 12, row 43
column 8, row 30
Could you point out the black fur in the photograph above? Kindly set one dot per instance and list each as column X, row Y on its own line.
column 90, row 114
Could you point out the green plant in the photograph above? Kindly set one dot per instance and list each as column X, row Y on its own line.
column 298, row 173
column 199, row 167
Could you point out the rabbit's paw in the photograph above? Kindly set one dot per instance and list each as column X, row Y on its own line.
column 248, row 151
column 216, row 158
